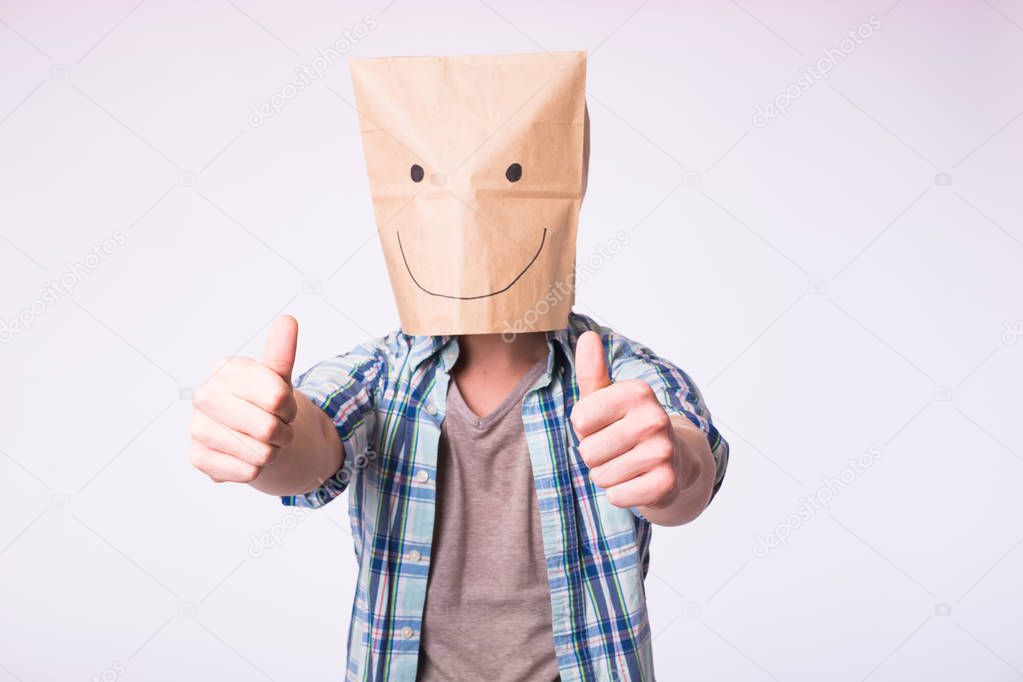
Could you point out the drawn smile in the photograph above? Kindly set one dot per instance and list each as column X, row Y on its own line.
column 503, row 289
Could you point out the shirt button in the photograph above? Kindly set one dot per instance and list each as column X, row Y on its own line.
column 422, row 476
column 430, row 409
column 414, row 556
column 407, row 632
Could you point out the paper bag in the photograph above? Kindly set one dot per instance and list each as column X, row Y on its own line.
column 477, row 168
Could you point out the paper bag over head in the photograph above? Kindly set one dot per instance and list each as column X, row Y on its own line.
column 477, row 167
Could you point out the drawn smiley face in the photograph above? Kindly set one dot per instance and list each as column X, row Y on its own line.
column 512, row 174
column 477, row 167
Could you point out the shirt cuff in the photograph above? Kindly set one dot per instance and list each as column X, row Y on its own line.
column 327, row 491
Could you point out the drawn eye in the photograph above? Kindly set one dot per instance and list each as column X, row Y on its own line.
column 417, row 173
column 514, row 173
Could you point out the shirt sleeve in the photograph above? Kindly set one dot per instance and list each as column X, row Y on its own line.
column 674, row 390
column 344, row 387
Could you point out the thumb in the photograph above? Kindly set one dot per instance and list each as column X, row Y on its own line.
column 279, row 351
column 590, row 367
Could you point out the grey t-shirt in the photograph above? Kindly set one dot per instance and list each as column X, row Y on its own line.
column 488, row 608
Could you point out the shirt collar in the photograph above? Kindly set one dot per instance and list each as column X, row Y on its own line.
column 562, row 338
column 427, row 347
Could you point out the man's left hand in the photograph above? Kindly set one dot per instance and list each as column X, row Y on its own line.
column 625, row 436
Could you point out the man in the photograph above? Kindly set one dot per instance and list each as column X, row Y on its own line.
column 502, row 486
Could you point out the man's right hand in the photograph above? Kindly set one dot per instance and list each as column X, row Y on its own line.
column 244, row 413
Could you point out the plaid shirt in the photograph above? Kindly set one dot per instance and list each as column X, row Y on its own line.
column 387, row 399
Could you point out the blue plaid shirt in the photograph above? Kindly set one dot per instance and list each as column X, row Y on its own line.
column 387, row 399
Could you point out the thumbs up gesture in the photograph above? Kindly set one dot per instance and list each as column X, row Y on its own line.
column 243, row 412
column 625, row 436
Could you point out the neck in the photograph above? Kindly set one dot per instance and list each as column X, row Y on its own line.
column 491, row 352
column 489, row 367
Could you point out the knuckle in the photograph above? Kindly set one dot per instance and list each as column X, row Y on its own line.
column 271, row 455
column 263, row 454
column 578, row 419
column 248, row 473
column 289, row 412
column 589, row 451
column 201, row 461
column 654, row 422
column 280, row 395
column 196, row 429
column 266, row 428
column 640, row 389
column 663, row 451
column 584, row 451
column 202, row 396
column 664, row 485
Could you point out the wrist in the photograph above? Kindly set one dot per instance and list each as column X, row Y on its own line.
column 694, row 474
column 692, row 467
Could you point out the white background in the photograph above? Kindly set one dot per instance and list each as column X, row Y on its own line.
column 824, row 283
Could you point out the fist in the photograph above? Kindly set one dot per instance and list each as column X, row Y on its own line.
column 243, row 412
column 625, row 436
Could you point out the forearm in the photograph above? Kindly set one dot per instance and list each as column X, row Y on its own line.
column 314, row 454
column 696, row 472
